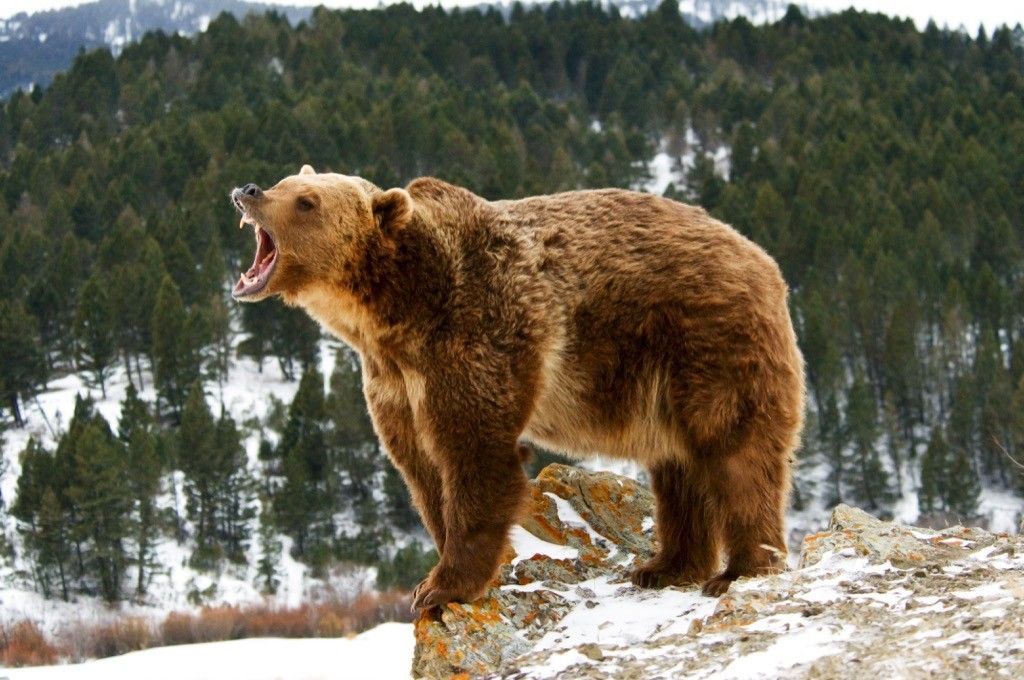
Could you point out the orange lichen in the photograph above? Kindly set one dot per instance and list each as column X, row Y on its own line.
column 601, row 491
column 811, row 538
column 547, row 481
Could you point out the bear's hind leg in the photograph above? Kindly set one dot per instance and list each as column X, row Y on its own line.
column 687, row 524
column 751, row 486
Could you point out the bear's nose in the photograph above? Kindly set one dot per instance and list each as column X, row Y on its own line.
column 252, row 190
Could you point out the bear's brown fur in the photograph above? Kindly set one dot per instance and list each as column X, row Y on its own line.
column 590, row 322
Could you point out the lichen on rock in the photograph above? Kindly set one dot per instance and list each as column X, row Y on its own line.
column 600, row 515
column 869, row 598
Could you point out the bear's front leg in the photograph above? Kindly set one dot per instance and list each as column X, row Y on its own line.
column 474, row 443
column 393, row 419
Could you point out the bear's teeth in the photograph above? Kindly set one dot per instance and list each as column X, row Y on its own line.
column 241, row 222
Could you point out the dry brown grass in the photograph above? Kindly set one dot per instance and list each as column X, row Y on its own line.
column 23, row 644
column 329, row 619
column 120, row 637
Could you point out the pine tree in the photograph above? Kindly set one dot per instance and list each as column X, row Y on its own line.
column 218, row 362
column 143, row 474
column 833, row 440
column 963, row 488
column 41, row 519
column 257, row 323
column 174, row 365
column 305, row 499
column 400, row 511
column 961, row 430
column 143, row 469
column 358, row 455
column 934, row 464
column 198, row 334
column 295, row 504
column 51, row 543
column 705, row 186
column 235, row 497
column 1015, row 446
column 198, row 458
column 218, row 488
column 22, row 367
column 267, row 569
column 135, row 415
column 213, row 269
column 86, row 215
column 871, row 483
column 104, row 501
column 95, row 328
column 346, row 405
column 182, row 269
column 293, row 339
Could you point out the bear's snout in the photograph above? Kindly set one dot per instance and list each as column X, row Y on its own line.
column 249, row 191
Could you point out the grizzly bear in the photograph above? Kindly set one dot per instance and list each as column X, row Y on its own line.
column 589, row 322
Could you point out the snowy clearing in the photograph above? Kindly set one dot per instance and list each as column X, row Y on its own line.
column 383, row 652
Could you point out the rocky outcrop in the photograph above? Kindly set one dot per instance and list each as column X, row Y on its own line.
column 869, row 598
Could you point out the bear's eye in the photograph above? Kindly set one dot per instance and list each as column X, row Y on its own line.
column 305, row 203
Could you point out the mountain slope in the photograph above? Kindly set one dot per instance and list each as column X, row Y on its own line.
column 34, row 47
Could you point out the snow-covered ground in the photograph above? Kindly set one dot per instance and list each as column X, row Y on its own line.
column 383, row 653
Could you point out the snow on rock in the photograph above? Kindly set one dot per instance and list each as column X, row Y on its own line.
column 384, row 652
column 865, row 597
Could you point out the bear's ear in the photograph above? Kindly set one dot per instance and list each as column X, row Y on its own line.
column 307, row 170
column 392, row 209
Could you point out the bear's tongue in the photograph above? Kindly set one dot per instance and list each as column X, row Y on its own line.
column 255, row 279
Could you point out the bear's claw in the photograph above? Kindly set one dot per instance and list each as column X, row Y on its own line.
column 427, row 596
column 717, row 586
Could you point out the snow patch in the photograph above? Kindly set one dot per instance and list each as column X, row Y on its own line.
column 382, row 652
column 788, row 651
column 526, row 545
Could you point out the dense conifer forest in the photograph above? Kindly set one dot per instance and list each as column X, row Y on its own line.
column 881, row 165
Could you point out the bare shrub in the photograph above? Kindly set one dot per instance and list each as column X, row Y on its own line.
column 120, row 637
column 23, row 644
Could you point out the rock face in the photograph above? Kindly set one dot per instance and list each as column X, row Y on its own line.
column 868, row 598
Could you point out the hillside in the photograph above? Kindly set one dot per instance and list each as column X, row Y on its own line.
column 881, row 165
column 34, row 47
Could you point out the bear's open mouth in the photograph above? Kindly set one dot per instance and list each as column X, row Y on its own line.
column 255, row 279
